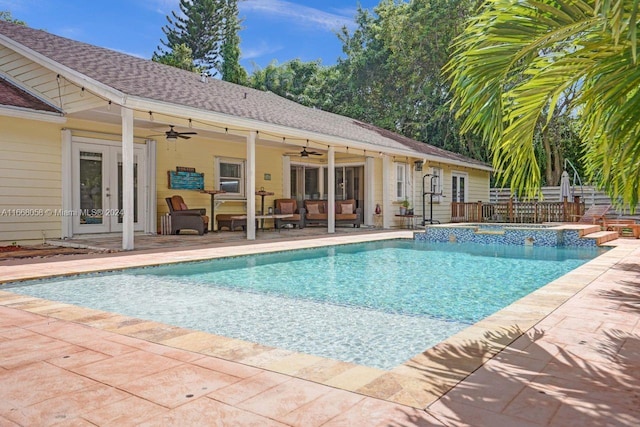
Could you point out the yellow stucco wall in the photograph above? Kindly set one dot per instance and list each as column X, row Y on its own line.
column 201, row 154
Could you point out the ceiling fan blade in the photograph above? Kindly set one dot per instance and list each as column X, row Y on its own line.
column 188, row 133
column 313, row 153
column 183, row 136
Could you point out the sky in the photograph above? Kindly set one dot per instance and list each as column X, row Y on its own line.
column 279, row 30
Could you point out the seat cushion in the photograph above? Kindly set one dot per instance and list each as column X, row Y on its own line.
column 286, row 208
column 279, row 202
column 312, row 205
column 294, row 217
column 178, row 204
column 350, row 216
column 317, row 217
column 346, row 208
column 341, row 203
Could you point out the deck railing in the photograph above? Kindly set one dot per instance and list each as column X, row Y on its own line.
column 517, row 212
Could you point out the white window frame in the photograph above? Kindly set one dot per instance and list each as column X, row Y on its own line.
column 239, row 162
column 400, row 189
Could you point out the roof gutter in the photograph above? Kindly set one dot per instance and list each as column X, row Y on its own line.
column 27, row 113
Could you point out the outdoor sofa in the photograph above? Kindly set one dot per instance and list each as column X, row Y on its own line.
column 346, row 212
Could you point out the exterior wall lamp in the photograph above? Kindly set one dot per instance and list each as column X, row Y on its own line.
column 418, row 165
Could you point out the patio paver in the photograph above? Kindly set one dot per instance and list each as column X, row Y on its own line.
column 576, row 362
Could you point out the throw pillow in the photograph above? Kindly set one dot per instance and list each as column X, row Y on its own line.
column 183, row 207
column 313, row 208
column 347, row 208
column 286, row 208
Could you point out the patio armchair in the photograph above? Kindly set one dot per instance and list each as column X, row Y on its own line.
column 286, row 207
column 183, row 218
column 348, row 213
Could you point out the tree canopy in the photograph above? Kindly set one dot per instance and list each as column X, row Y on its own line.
column 390, row 75
column 180, row 57
column 518, row 63
column 6, row 15
column 205, row 27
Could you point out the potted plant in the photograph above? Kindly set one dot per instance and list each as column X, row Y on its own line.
column 404, row 206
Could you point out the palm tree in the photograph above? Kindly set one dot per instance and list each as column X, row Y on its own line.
column 514, row 66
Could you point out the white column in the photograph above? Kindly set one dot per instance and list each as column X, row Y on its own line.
column 127, row 179
column 151, row 225
column 369, row 190
column 286, row 177
column 251, row 186
column 331, row 191
column 387, row 181
column 67, row 185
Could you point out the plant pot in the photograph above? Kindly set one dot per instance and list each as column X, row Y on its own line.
column 403, row 210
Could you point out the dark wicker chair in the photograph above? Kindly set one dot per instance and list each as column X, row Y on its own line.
column 183, row 218
column 289, row 206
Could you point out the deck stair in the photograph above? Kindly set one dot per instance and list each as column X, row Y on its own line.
column 593, row 232
column 602, row 237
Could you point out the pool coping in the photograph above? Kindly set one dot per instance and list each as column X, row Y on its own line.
column 418, row 382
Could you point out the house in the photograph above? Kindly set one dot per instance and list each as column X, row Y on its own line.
column 87, row 144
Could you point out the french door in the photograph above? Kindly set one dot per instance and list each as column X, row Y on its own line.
column 458, row 187
column 98, row 190
column 311, row 182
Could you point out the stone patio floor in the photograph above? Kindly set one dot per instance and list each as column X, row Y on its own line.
column 565, row 355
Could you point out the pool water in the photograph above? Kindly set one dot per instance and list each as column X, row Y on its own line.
column 376, row 304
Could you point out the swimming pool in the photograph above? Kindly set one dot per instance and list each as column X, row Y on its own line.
column 375, row 304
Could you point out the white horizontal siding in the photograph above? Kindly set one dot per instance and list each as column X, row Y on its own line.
column 477, row 189
column 30, row 180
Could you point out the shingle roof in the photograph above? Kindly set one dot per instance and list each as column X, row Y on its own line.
column 13, row 96
column 146, row 79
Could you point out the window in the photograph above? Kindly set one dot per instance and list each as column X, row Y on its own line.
column 230, row 176
column 305, row 182
column 401, row 181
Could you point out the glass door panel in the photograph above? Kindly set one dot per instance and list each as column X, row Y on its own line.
column 119, row 212
column 340, row 184
column 311, row 183
column 91, row 187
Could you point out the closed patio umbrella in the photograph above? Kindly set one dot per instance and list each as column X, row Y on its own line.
column 565, row 186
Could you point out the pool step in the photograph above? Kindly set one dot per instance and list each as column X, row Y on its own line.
column 602, row 237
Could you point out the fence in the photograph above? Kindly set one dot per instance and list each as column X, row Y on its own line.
column 588, row 194
column 513, row 211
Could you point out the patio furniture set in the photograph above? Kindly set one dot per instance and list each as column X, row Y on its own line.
column 286, row 213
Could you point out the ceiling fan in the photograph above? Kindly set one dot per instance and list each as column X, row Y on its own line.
column 304, row 153
column 172, row 134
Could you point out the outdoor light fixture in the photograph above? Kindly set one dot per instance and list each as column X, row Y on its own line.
column 418, row 165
